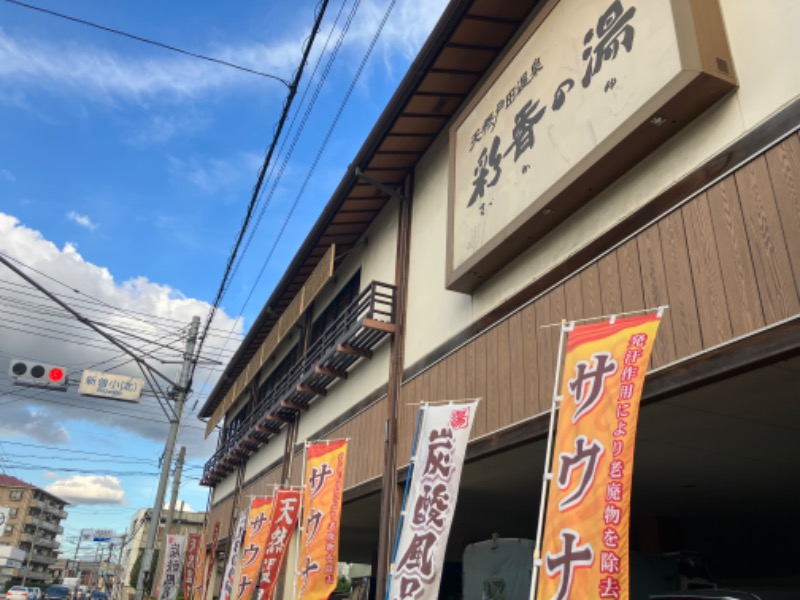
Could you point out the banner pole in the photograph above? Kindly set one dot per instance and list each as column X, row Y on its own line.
column 300, row 511
column 411, row 465
column 548, row 458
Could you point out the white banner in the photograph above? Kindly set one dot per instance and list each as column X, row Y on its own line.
column 172, row 567
column 227, row 581
column 443, row 434
column 4, row 511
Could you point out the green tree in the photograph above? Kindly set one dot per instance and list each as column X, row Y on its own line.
column 343, row 585
column 134, row 578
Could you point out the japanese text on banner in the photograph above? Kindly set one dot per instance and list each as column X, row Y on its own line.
column 319, row 531
column 432, row 495
column 190, row 564
column 233, row 557
column 585, row 543
column 255, row 538
column 286, row 507
column 172, row 565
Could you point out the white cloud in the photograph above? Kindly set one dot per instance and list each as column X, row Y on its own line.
column 88, row 489
column 35, row 328
column 82, row 220
column 7, row 175
column 186, row 506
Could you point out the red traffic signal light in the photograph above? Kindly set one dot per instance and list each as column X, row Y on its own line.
column 36, row 374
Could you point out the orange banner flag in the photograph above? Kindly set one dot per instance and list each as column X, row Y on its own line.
column 319, row 528
column 199, row 572
column 585, row 542
column 255, row 539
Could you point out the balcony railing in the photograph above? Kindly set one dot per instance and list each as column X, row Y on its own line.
column 45, row 525
column 350, row 338
column 41, row 542
column 51, row 508
column 42, row 559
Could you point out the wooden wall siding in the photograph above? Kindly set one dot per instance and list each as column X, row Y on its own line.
column 221, row 514
column 264, row 485
column 783, row 163
column 367, row 433
column 727, row 263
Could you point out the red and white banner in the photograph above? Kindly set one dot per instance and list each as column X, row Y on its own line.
column 190, row 564
column 285, row 508
column 170, row 581
column 432, row 494
column 255, row 538
column 322, row 509
column 585, row 542
column 233, row 557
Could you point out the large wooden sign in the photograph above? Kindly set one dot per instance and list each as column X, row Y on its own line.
column 590, row 88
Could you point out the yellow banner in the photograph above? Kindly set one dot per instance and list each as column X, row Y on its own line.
column 255, row 539
column 319, row 528
column 585, row 543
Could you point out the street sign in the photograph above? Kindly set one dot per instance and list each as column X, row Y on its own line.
column 99, row 535
column 108, row 385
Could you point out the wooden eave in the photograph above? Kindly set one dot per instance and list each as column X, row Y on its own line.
column 468, row 38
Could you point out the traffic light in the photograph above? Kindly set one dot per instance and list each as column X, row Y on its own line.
column 35, row 374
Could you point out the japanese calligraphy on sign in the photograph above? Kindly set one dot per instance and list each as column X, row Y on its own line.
column 172, row 566
column 568, row 96
column 443, row 434
column 585, row 544
column 319, row 528
column 285, row 508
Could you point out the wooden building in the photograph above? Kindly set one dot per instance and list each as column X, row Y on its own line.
column 541, row 161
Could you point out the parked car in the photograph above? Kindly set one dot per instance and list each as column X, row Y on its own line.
column 97, row 595
column 57, row 592
column 17, row 592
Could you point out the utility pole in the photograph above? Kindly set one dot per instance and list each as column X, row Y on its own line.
column 155, row 517
column 28, row 562
column 176, row 484
column 75, row 558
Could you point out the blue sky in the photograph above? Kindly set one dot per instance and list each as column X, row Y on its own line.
column 124, row 177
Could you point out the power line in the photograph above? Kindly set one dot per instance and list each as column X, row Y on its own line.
column 262, row 173
column 297, row 133
column 87, row 298
column 148, row 41
column 301, row 127
column 88, row 452
column 323, row 145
